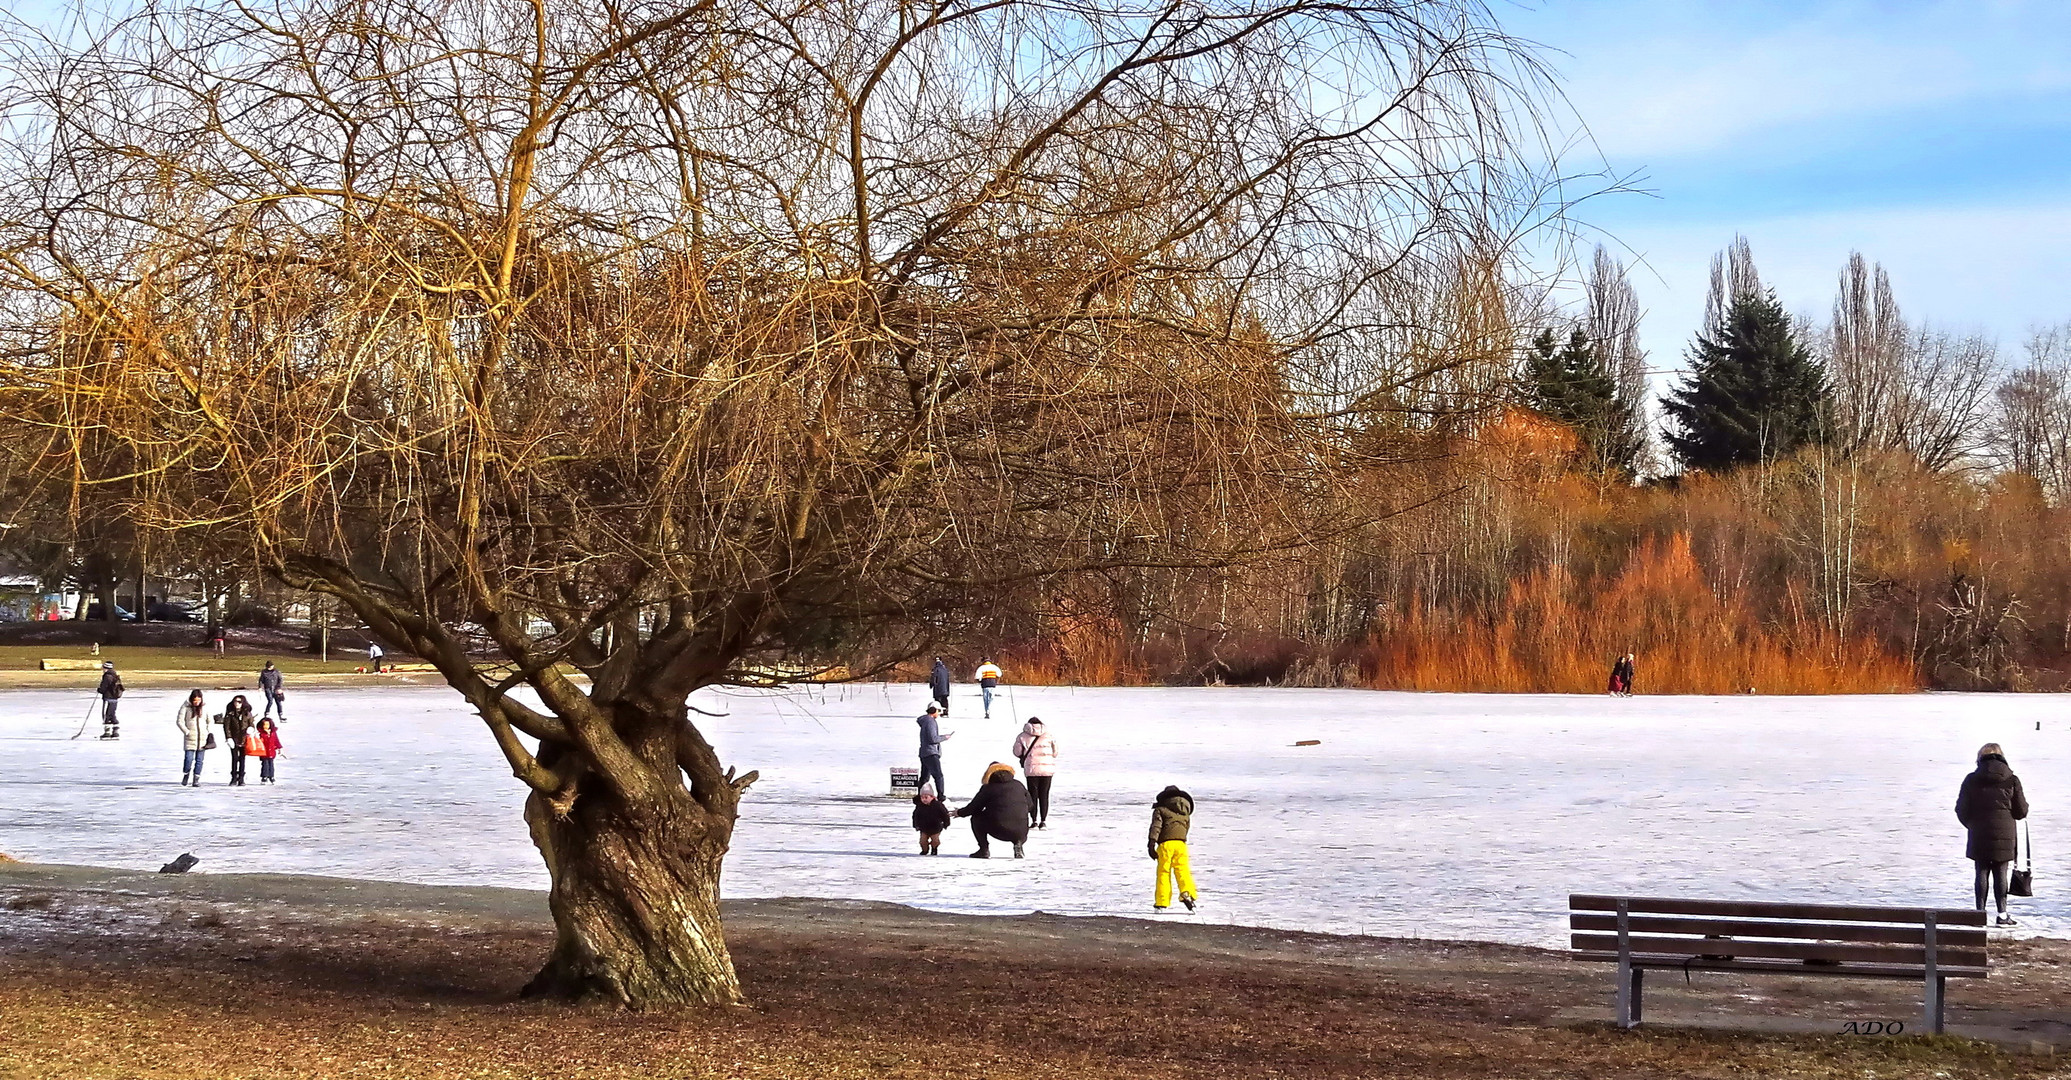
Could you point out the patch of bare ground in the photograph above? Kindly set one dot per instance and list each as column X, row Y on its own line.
column 117, row 984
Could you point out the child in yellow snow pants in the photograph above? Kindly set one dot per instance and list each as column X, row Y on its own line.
column 1171, row 816
column 1172, row 867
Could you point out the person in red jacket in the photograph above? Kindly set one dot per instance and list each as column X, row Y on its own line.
column 269, row 738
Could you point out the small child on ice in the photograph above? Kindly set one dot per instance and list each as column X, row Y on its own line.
column 930, row 817
column 1170, row 817
column 269, row 748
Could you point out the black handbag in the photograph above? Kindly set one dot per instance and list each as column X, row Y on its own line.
column 2023, row 883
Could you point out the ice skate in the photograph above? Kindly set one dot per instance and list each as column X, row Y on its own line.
column 2006, row 920
column 981, row 854
column 1188, row 901
column 1018, row 853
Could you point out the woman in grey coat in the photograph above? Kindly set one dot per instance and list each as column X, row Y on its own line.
column 1988, row 805
column 194, row 732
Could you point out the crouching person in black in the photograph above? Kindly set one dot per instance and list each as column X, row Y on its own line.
column 999, row 811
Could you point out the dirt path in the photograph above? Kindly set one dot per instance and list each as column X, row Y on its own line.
column 116, row 974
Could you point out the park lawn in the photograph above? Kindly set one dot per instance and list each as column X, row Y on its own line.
column 157, row 658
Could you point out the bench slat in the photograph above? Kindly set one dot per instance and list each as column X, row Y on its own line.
column 1783, row 967
column 1754, row 928
column 1910, row 955
column 1662, row 905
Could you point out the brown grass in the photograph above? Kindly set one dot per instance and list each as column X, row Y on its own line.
column 375, row 999
column 1550, row 635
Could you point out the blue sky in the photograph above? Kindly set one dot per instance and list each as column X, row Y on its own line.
column 1933, row 137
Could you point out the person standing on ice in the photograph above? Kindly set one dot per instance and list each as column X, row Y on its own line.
column 237, row 723
column 1037, row 752
column 270, row 689
column 1171, row 816
column 999, row 811
column 930, row 817
column 1621, row 676
column 374, row 656
column 931, row 739
column 110, row 692
column 194, row 735
column 1988, row 805
column 988, row 681
column 269, row 748
column 938, row 685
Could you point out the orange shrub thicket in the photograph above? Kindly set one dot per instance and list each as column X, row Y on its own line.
column 1551, row 635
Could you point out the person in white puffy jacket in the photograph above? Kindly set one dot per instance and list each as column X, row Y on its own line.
column 194, row 732
column 1037, row 752
column 988, row 676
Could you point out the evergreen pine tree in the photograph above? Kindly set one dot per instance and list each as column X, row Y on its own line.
column 1753, row 394
column 1572, row 384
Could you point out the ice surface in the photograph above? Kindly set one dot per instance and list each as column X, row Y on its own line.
column 1437, row 815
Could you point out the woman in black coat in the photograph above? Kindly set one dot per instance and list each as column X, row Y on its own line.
column 1000, row 809
column 1988, row 805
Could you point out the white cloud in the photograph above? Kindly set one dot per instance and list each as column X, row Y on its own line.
column 1659, row 79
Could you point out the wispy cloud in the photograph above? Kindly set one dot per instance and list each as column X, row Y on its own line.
column 1935, row 137
column 1688, row 77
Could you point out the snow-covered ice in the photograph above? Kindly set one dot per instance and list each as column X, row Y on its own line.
column 1439, row 815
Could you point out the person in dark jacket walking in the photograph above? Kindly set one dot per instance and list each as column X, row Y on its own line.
column 236, row 721
column 270, row 689
column 938, row 685
column 1988, row 805
column 1172, row 815
column 931, row 739
column 930, row 817
column 110, row 692
column 998, row 811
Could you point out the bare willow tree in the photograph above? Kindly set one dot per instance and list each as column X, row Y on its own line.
column 600, row 352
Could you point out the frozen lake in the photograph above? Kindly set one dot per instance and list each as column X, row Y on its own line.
column 1462, row 816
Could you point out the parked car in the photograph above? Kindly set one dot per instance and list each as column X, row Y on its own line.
column 95, row 613
column 172, row 611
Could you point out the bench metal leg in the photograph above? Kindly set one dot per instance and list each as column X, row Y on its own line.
column 1639, row 983
column 1628, row 976
column 1936, row 984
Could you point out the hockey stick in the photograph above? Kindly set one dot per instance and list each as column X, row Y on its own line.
column 88, row 719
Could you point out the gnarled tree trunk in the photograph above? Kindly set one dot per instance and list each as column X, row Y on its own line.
column 635, row 900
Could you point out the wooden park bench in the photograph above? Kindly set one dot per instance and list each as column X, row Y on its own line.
column 1928, row 945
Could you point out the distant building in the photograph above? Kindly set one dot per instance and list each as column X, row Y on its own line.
column 24, row 598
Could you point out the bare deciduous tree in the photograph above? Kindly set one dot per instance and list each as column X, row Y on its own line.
column 1865, row 356
column 2031, row 430
column 1611, row 318
column 1921, row 392
column 610, row 351
column 1733, row 276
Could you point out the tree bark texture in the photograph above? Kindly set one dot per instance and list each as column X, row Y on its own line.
column 635, row 900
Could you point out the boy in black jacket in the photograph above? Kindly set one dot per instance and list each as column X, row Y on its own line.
column 930, row 817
